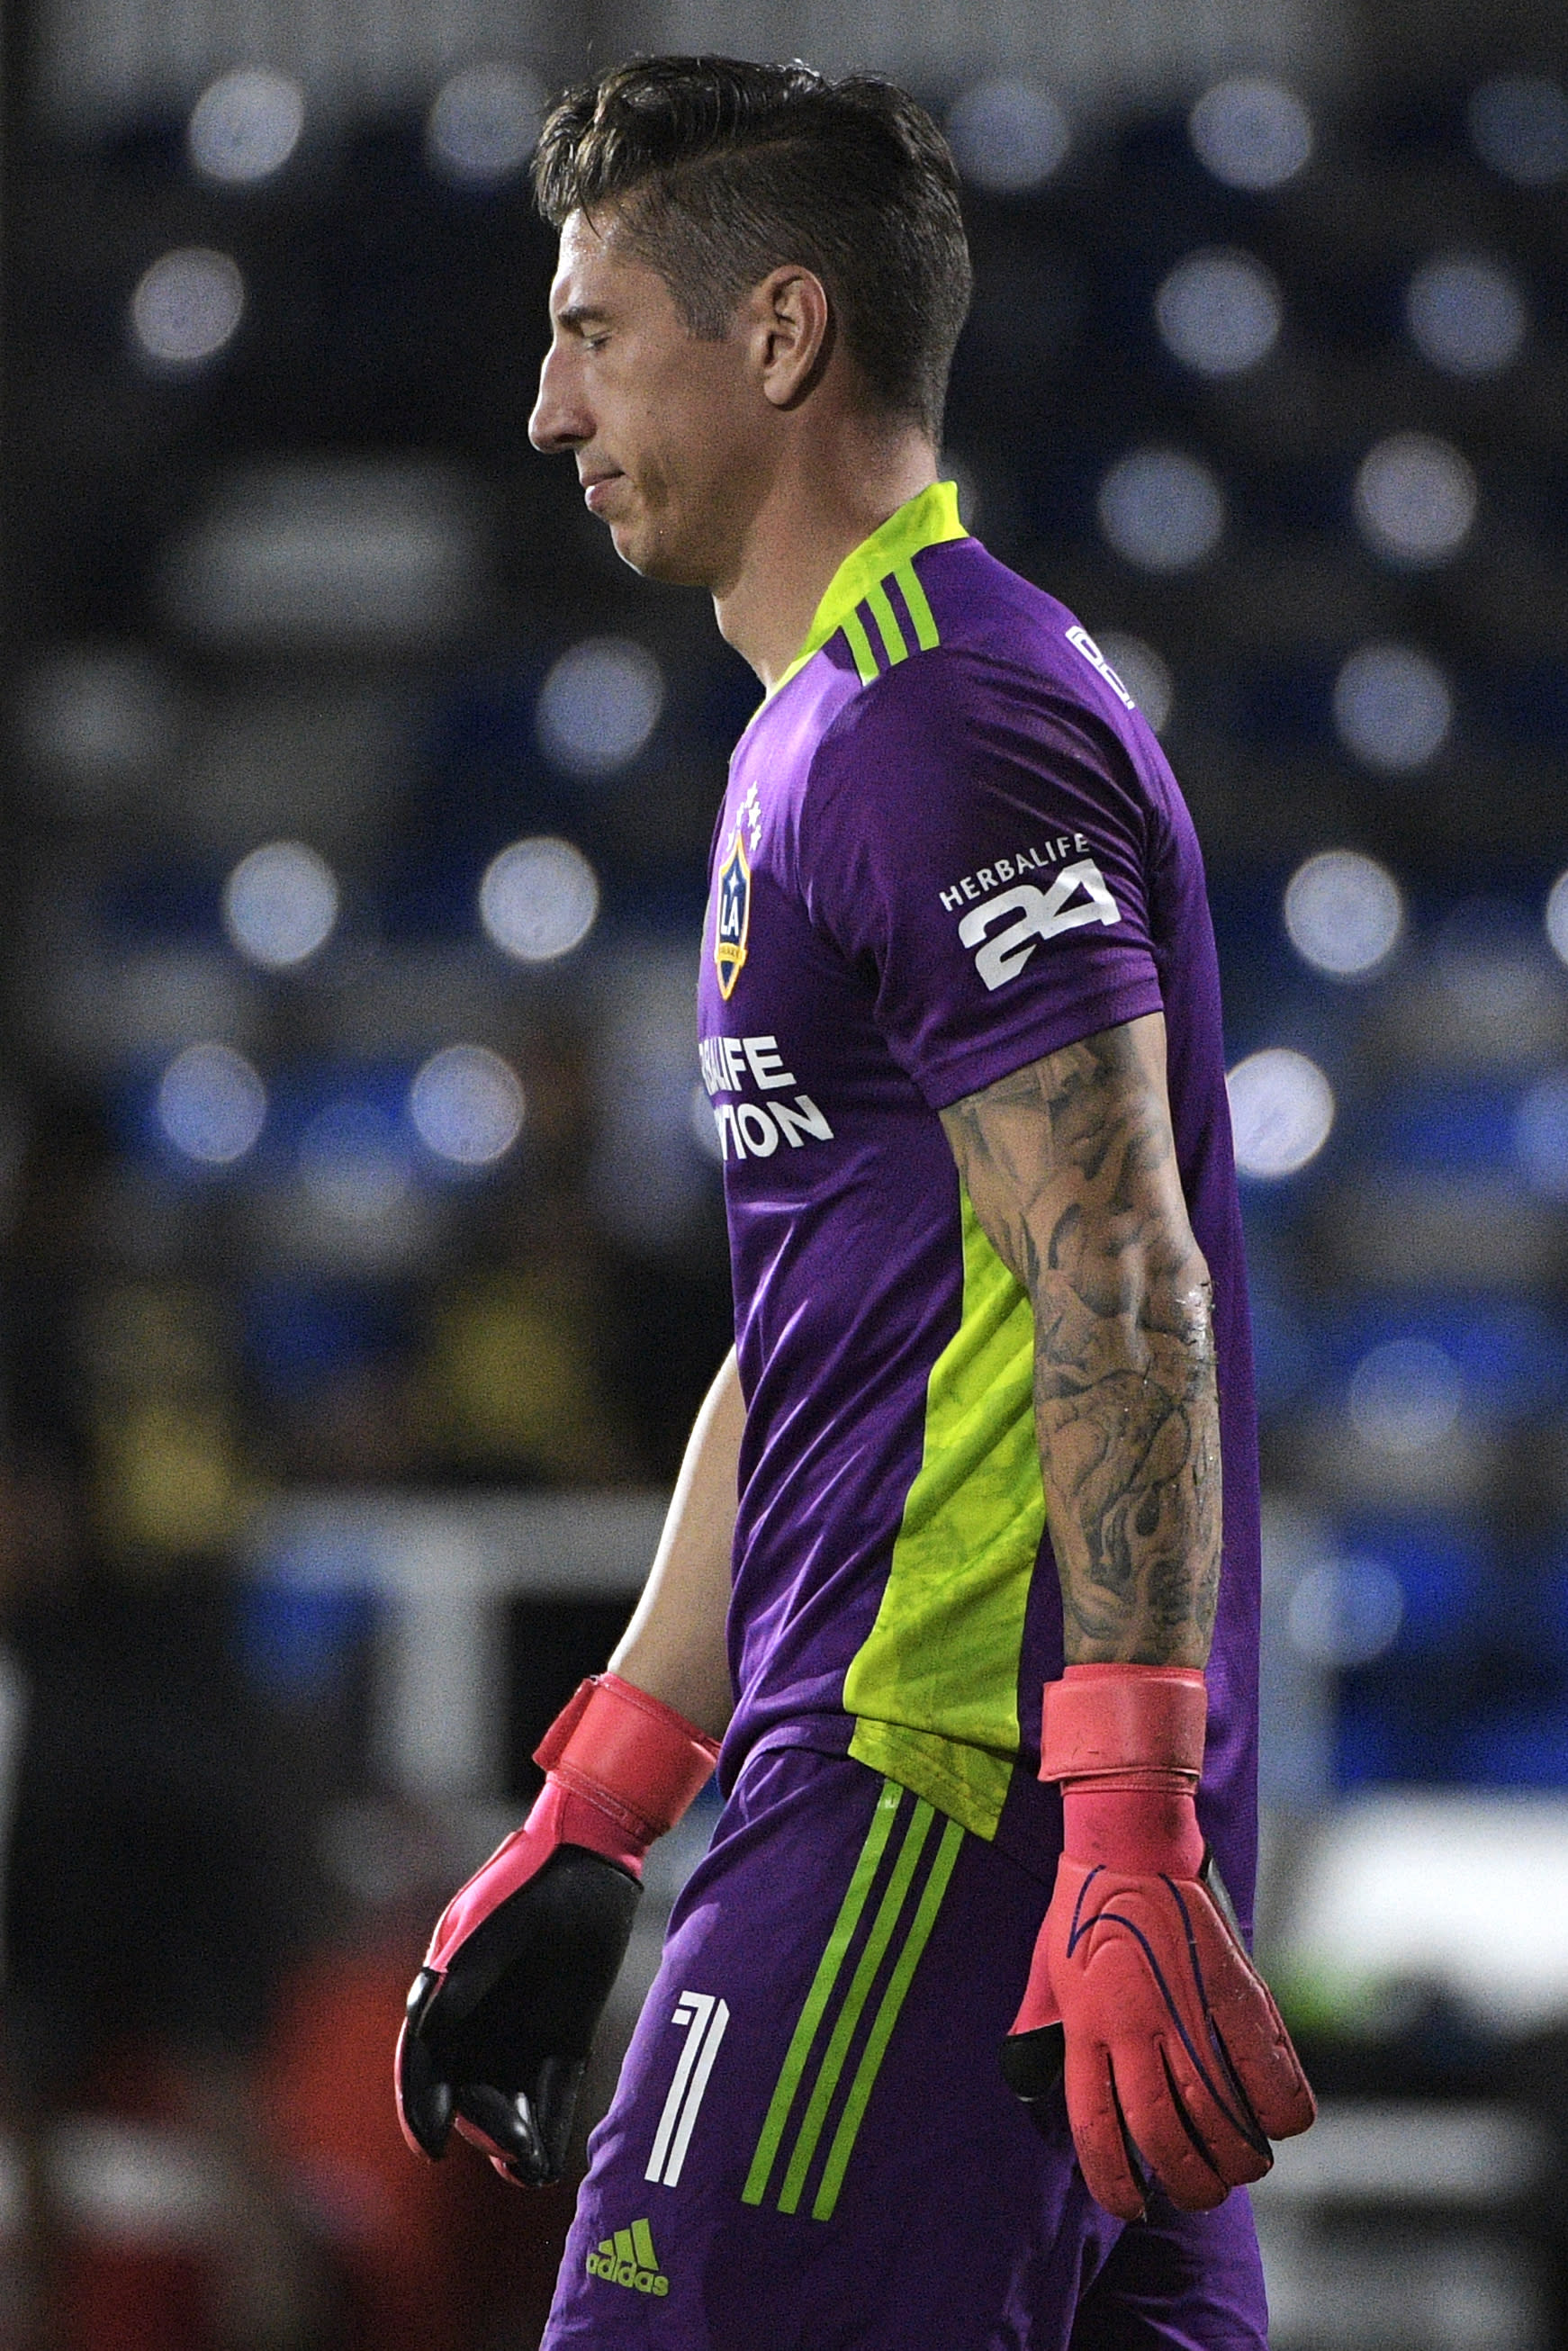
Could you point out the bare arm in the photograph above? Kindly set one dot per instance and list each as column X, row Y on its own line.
column 674, row 1645
column 1070, row 1165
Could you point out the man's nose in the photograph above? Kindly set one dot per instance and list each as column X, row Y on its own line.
column 557, row 422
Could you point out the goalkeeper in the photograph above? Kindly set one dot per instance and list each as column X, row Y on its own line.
column 956, row 2042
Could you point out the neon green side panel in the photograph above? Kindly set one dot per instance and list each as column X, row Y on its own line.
column 935, row 1685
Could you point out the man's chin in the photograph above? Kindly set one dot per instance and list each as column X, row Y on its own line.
column 627, row 545
column 652, row 558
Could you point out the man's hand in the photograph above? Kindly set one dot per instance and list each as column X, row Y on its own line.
column 1176, row 2066
column 1177, row 2062
column 502, row 2014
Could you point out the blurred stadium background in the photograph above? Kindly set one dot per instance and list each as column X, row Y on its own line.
column 364, row 1257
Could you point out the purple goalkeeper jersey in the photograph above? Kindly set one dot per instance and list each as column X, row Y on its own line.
column 950, row 845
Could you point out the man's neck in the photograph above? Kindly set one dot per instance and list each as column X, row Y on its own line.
column 817, row 510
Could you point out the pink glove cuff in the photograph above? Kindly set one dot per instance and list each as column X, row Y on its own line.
column 621, row 1768
column 1104, row 1720
column 557, row 1817
column 1126, row 1741
column 629, row 1754
column 1153, row 1832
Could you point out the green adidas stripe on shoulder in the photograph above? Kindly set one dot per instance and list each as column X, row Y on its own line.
column 859, row 647
column 929, row 519
column 886, row 621
column 877, row 609
column 914, row 596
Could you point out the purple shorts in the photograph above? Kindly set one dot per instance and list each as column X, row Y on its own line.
column 812, row 2147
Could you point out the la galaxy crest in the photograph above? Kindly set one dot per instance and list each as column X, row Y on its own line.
column 732, row 921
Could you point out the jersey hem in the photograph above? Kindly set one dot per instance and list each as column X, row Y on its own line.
column 918, row 1759
column 933, row 1767
column 822, row 1734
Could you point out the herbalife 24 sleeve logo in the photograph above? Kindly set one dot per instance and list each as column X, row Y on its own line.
column 1077, row 896
column 1083, row 643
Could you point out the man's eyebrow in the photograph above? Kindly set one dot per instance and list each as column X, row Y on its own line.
column 578, row 314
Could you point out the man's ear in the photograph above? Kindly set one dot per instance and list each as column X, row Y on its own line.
column 791, row 324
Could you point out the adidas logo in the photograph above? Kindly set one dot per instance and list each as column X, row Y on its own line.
column 628, row 2259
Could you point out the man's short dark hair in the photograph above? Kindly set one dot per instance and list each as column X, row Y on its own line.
column 720, row 171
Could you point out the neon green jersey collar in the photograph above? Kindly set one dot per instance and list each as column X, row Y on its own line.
column 925, row 520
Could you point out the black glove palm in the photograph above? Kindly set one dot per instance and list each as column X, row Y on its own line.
column 498, row 2042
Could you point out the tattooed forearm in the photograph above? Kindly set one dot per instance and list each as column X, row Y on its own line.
column 1071, row 1169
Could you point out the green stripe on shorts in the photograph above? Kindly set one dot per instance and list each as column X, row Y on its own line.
column 848, row 2016
column 892, row 1999
column 816, row 1998
column 891, row 1916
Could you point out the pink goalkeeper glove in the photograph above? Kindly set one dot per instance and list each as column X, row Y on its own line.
column 502, row 2014
column 1142, row 1997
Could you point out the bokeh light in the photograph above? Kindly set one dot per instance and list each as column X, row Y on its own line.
column 1281, row 1113
column 1415, row 499
column 484, row 124
column 599, row 707
column 1556, row 917
column 1162, row 509
column 187, row 304
column 1404, row 1396
column 538, row 899
column 1466, row 313
column 212, row 1105
column 280, row 905
column 1345, row 1612
column 1008, row 136
column 1144, row 672
column 245, row 125
column 1252, row 132
column 1392, row 709
column 1519, row 124
column 1344, row 914
column 1540, row 1135
column 100, row 720
column 1218, row 311
column 466, row 1104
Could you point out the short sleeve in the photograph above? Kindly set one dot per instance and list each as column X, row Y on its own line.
column 980, row 843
